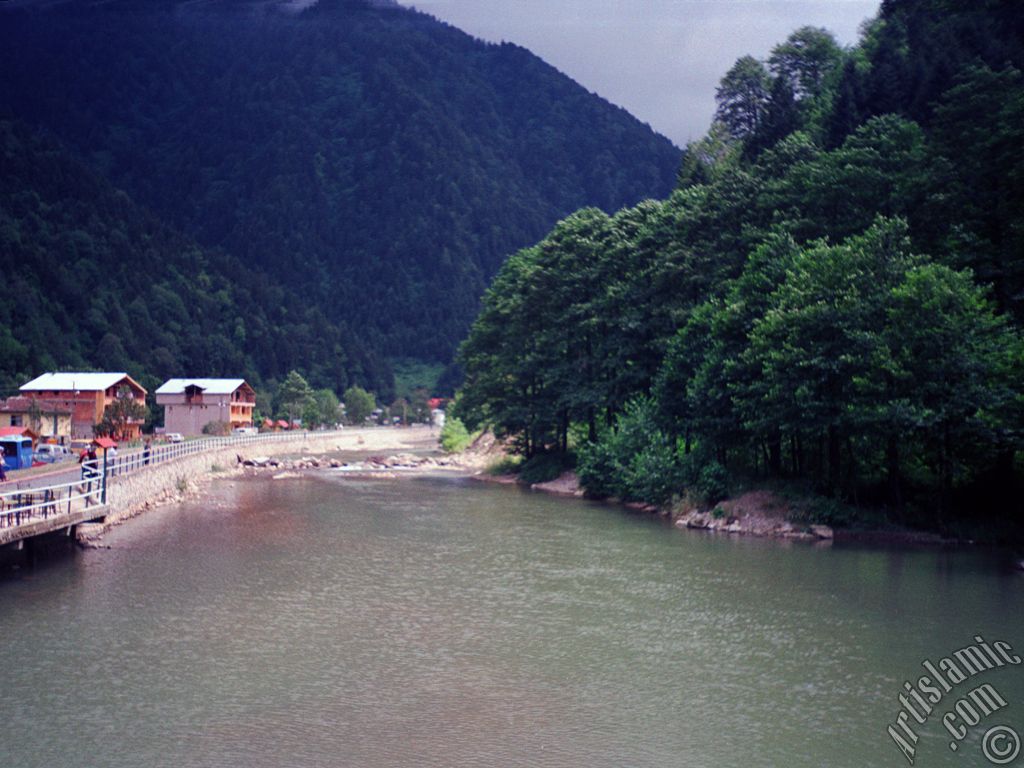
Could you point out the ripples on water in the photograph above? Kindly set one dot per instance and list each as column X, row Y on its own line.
column 329, row 622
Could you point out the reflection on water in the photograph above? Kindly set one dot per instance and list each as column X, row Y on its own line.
column 325, row 622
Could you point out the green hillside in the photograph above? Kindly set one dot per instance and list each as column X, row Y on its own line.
column 371, row 158
column 90, row 280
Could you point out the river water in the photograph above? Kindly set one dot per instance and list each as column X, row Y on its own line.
column 442, row 622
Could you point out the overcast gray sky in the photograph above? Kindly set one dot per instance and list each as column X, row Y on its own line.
column 660, row 59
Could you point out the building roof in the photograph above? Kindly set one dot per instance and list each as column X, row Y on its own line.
column 104, row 442
column 25, row 404
column 209, row 386
column 82, row 382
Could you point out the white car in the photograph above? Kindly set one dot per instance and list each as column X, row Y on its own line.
column 50, row 454
column 175, row 437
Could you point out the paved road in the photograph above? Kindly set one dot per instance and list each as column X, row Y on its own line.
column 63, row 472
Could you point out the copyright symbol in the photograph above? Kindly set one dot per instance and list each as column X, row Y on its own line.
column 1000, row 745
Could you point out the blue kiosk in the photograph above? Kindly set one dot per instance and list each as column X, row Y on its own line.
column 17, row 451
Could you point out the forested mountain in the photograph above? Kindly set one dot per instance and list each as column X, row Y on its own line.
column 92, row 280
column 831, row 299
column 369, row 157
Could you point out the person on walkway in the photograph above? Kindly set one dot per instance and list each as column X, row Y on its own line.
column 90, row 463
column 90, row 472
column 3, row 467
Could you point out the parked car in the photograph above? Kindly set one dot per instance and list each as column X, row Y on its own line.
column 51, row 454
column 175, row 437
column 245, row 431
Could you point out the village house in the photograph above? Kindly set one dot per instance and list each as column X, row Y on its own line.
column 87, row 396
column 191, row 404
column 49, row 422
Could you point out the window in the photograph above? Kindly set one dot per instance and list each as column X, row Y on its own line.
column 17, row 420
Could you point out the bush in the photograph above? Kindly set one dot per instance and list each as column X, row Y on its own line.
column 634, row 461
column 544, row 467
column 507, row 465
column 706, row 480
column 819, row 510
column 712, row 482
column 455, row 438
column 217, row 428
column 653, row 475
column 597, row 470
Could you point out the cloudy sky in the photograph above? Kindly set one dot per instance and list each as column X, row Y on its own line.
column 660, row 59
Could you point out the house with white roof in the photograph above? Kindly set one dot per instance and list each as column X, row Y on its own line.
column 87, row 394
column 191, row 404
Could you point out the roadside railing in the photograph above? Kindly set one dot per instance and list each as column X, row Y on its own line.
column 31, row 504
column 24, row 506
column 141, row 458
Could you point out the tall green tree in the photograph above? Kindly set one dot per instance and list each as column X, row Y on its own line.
column 295, row 395
column 359, row 404
column 820, row 336
column 953, row 368
column 807, row 57
column 325, row 408
column 742, row 97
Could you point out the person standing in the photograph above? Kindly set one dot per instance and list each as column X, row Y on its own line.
column 3, row 467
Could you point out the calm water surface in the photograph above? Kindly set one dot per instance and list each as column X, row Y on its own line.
column 439, row 622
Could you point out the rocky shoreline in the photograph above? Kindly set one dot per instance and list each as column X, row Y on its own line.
column 380, row 467
column 784, row 529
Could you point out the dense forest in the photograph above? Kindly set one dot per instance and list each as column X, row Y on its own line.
column 367, row 158
column 830, row 300
column 93, row 281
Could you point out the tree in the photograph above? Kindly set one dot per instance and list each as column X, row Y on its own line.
column 35, row 417
column 117, row 416
column 781, row 118
column 295, row 395
column 820, row 337
column 420, row 406
column 987, row 185
column 326, row 408
column 847, row 110
column 742, row 97
column 359, row 404
column 954, row 368
column 805, row 60
column 400, row 410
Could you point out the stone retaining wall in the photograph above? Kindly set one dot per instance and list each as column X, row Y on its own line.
column 132, row 494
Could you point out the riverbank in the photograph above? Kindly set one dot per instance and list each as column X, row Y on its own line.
column 758, row 513
column 187, row 477
column 387, row 453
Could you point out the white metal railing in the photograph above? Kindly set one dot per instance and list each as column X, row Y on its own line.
column 140, row 458
column 30, row 505
column 26, row 505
